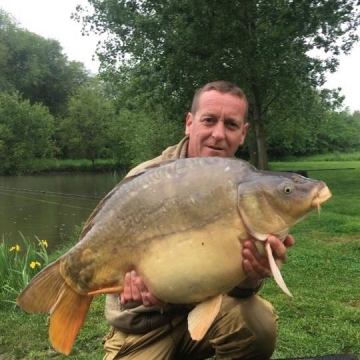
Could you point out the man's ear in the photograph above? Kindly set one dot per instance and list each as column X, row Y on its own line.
column 188, row 123
column 244, row 132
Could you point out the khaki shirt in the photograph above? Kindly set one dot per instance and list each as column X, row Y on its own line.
column 178, row 151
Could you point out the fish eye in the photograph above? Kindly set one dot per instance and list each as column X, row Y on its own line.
column 287, row 189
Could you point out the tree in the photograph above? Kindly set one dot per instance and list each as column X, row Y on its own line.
column 172, row 47
column 26, row 132
column 139, row 135
column 6, row 26
column 85, row 132
column 36, row 67
column 339, row 133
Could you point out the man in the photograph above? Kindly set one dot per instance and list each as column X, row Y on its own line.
column 246, row 326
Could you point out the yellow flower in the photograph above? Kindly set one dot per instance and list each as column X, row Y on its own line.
column 34, row 263
column 45, row 243
column 15, row 248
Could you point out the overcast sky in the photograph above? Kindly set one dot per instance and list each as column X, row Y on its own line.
column 51, row 19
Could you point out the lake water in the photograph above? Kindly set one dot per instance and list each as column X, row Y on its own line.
column 49, row 206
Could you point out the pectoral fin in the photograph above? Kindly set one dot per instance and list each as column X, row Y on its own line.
column 201, row 318
column 110, row 290
column 275, row 270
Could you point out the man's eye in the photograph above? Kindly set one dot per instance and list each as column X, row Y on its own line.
column 208, row 120
column 232, row 125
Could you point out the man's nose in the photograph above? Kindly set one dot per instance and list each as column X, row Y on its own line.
column 219, row 131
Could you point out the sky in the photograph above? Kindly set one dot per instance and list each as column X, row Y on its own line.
column 51, row 19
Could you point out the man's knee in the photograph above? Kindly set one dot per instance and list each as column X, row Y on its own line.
column 249, row 327
column 263, row 319
column 113, row 343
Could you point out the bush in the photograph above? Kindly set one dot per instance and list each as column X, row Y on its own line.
column 26, row 132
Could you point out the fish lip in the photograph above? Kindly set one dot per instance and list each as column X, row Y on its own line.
column 322, row 195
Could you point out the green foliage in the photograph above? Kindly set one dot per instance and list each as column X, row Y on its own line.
column 36, row 67
column 339, row 133
column 169, row 49
column 70, row 165
column 318, row 131
column 143, row 135
column 158, row 54
column 85, row 132
column 25, row 132
column 19, row 263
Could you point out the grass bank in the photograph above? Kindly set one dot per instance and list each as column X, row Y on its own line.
column 322, row 272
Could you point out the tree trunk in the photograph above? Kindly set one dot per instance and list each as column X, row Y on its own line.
column 257, row 144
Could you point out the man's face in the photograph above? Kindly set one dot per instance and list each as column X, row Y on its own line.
column 218, row 127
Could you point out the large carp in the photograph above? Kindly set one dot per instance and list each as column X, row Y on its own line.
column 181, row 226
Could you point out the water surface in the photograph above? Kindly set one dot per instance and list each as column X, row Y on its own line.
column 49, row 206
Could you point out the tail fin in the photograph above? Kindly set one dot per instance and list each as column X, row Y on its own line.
column 48, row 292
column 66, row 318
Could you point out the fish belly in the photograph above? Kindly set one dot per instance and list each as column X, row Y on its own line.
column 190, row 266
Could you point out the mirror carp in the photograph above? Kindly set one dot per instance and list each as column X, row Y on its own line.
column 181, row 225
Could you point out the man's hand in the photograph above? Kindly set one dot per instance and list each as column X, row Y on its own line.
column 255, row 265
column 136, row 290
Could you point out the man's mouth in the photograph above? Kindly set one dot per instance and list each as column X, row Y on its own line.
column 216, row 148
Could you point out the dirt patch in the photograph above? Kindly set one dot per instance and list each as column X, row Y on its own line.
column 352, row 303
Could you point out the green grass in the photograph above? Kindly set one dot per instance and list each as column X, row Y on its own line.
column 332, row 157
column 322, row 271
column 25, row 336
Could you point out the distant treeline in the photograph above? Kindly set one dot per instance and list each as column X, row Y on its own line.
column 53, row 108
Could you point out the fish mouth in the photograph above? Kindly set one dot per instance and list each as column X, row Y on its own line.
column 322, row 195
